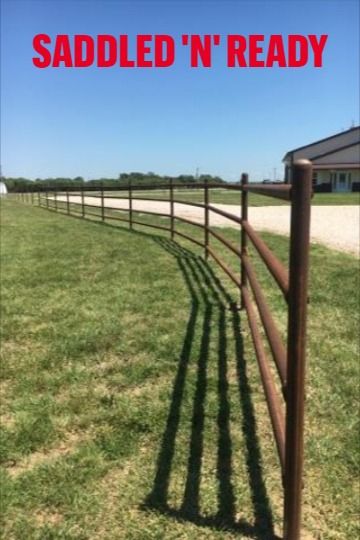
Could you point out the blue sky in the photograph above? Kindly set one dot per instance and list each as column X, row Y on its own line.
column 100, row 122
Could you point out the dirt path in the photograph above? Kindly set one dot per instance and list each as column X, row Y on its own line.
column 334, row 226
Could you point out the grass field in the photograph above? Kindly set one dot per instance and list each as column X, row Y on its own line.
column 221, row 196
column 131, row 404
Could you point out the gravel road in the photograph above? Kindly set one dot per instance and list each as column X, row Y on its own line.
column 334, row 226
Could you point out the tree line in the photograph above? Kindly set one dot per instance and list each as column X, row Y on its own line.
column 124, row 179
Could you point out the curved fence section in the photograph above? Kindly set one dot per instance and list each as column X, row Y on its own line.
column 286, row 409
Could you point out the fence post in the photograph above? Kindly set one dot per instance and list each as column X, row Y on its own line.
column 67, row 201
column 244, row 217
column 172, row 215
column 32, row 197
column 130, row 207
column 102, row 202
column 82, row 201
column 206, row 217
column 295, row 391
column 38, row 194
column 55, row 197
column 47, row 198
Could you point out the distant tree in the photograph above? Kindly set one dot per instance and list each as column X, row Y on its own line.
column 136, row 178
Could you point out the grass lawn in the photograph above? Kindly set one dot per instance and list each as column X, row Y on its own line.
column 131, row 405
column 222, row 196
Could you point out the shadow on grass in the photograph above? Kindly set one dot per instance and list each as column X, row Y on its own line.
column 206, row 289
column 212, row 302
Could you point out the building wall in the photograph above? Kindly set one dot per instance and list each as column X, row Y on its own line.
column 322, row 177
column 3, row 189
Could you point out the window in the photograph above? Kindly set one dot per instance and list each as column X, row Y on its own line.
column 342, row 179
column 314, row 178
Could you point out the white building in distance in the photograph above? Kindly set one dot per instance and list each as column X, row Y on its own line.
column 336, row 161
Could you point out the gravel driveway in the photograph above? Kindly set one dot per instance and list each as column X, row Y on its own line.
column 334, row 226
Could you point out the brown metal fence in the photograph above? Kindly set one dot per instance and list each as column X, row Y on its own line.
column 287, row 410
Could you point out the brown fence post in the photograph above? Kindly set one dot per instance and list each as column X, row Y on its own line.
column 295, row 391
column 55, row 199
column 67, row 201
column 47, row 198
column 102, row 202
column 130, row 207
column 82, row 201
column 206, row 217
column 172, row 215
column 244, row 217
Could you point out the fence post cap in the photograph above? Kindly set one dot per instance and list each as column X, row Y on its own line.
column 244, row 178
column 303, row 163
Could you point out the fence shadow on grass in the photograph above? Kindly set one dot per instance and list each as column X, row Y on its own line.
column 208, row 294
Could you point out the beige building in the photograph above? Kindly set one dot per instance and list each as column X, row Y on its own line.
column 336, row 161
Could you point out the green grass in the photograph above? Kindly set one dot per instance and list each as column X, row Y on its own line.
column 131, row 403
column 323, row 199
column 221, row 196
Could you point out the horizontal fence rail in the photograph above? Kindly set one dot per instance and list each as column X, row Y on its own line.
column 286, row 408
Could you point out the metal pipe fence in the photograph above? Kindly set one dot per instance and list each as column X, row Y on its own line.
column 286, row 409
